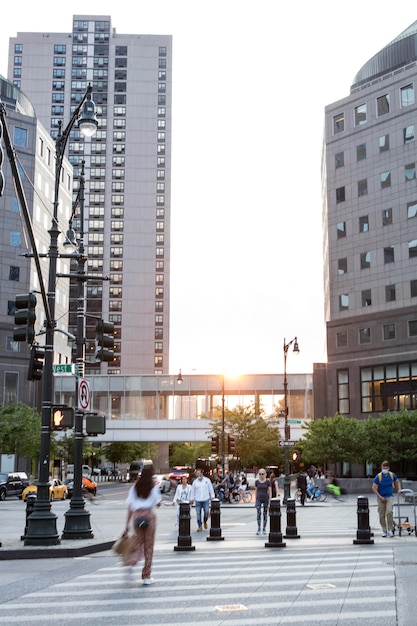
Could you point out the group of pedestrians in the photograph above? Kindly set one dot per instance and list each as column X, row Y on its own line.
column 144, row 496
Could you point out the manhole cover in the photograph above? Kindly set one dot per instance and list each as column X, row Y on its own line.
column 231, row 607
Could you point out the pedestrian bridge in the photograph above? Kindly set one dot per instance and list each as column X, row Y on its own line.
column 161, row 408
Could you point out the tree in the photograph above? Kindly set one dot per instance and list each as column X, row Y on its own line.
column 391, row 436
column 20, row 430
column 187, row 454
column 122, row 452
column 256, row 437
column 333, row 439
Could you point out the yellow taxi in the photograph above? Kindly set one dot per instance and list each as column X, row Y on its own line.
column 57, row 490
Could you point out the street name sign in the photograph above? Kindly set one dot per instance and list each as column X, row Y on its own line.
column 63, row 368
column 284, row 443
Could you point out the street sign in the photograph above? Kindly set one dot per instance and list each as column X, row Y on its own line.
column 63, row 368
column 284, row 443
column 83, row 395
column 293, row 421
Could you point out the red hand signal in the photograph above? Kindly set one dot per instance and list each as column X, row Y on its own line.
column 58, row 417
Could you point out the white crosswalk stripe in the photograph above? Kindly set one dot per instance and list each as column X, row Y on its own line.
column 211, row 588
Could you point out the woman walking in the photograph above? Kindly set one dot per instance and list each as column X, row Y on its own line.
column 262, row 498
column 143, row 496
column 182, row 494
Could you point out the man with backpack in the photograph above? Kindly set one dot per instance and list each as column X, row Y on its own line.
column 383, row 487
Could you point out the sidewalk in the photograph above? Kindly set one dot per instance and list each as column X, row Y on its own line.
column 319, row 524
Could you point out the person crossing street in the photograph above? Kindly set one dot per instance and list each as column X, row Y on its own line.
column 201, row 493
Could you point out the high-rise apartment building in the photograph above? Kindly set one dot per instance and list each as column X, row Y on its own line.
column 127, row 171
column 370, row 239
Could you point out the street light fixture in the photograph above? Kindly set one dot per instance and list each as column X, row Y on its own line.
column 287, row 437
column 42, row 528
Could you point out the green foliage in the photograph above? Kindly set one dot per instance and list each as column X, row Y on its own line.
column 333, row 439
column 391, row 435
column 256, row 437
column 20, row 430
column 187, row 454
column 120, row 452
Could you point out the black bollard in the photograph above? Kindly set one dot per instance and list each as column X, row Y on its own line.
column 291, row 531
column 275, row 535
column 30, row 506
column 215, row 530
column 184, row 536
column 363, row 534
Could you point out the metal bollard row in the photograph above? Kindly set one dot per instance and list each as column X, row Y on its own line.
column 363, row 534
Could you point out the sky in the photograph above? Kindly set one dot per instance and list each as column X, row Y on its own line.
column 250, row 84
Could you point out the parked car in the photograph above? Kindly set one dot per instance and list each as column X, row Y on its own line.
column 12, row 485
column 88, row 484
column 57, row 490
column 109, row 470
column 85, row 470
column 163, row 482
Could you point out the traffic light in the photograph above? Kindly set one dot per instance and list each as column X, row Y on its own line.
column 1, row 161
column 25, row 317
column 296, row 456
column 231, row 445
column 36, row 363
column 62, row 418
column 104, row 341
column 215, row 444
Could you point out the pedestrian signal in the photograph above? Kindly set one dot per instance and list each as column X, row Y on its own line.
column 62, row 418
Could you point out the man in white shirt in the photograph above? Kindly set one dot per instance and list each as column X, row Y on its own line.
column 201, row 493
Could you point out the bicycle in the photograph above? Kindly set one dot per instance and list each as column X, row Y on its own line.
column 317, row 495
column 237, row 497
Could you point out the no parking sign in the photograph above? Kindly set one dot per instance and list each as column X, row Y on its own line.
column 83, row 395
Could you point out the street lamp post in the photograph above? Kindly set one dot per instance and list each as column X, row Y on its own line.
column 77, row 518
column 223, row 432
column 287, row 482
column 42, row 528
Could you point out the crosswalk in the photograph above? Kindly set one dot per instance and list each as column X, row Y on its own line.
column 333, row 586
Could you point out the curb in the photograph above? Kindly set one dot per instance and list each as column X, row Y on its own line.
column 53, row 552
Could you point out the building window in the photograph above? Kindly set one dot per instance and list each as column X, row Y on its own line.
column 413, row 288
column 365, row 260
column 339, row 159
column 364, row 335
column 340, row 195
column 14, row 272
column 411, row 209
column 342, row 266
column 408, row 133
column 389, row 388
column 366, row 297
column 407, row 95
column 360, row 114
column 341, row 230
column 389, row 254
column 342, row 339
column 382, row 105
column 388, row 331
column 389, row 293
column 15, row 239
column 412, row 249
column 362, row 187
column 10, row 393
column 361, row 152
column 385, row 179
column 343, row 392
column 343, row 302
column 364, row 224
column 386, row 217
column 383, row 143
column 339, row 123
column 20, row 137
column 410, row 171
column 412, row 328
